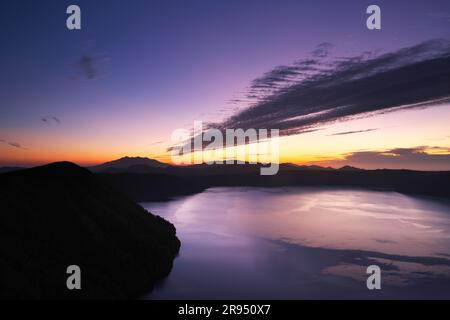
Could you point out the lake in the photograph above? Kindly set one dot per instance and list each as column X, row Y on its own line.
column 306, row 243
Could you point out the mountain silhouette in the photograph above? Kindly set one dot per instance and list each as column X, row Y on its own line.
column 10, row 169
column 349, row 168
column 178, row 181
column 59, row 215
column 130, row 164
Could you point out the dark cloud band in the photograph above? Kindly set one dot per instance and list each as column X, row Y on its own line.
column 352, row 132
column 313, row 92
column 419, row 158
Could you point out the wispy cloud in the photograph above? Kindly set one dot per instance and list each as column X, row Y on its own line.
column 13, row 144
column 312, row 92
column 87, row 66
column 56, row 120
column 156, row 143
column 322, row 50
column 51, row 120
column 352, row 132
column 420, row 158
column 89, row 62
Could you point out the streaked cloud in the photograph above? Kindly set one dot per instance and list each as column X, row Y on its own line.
column 313, row 92
column 87, row 66
column 352, row 132
column 419, row 158
column 51, row 120
column 322, row 50
column 13, row 144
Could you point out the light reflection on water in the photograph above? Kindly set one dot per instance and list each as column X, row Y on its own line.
column 291, row 243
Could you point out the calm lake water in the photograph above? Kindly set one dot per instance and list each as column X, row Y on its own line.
column 297, row 243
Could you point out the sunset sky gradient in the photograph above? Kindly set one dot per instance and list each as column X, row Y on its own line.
column 139, row 70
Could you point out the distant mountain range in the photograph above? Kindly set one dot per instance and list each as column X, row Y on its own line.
column 61, row 214
column 147, row 165
column 9, row 169
column 144, row 179
column 130, row 164
column 164, row 182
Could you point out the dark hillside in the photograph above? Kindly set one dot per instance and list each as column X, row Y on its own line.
column 59, row 215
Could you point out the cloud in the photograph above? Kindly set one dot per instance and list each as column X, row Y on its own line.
column 312, row 92
column 386, row 241
column 51, row 119
column 87, row 66
column 276, row 80
column 56, row 120
column 322, row 50
column 13, row 144
column 89, row 63
column 418, row 158
column 156, row 143
column 352, row 132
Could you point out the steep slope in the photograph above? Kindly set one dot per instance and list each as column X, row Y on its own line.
column 60, row 215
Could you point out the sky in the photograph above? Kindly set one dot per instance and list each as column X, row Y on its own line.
column 138, row 70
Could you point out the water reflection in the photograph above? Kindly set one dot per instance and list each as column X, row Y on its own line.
column 294, row 243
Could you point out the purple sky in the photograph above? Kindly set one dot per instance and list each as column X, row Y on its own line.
column 140, row 69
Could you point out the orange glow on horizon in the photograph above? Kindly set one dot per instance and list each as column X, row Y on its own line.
column 328, row 146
